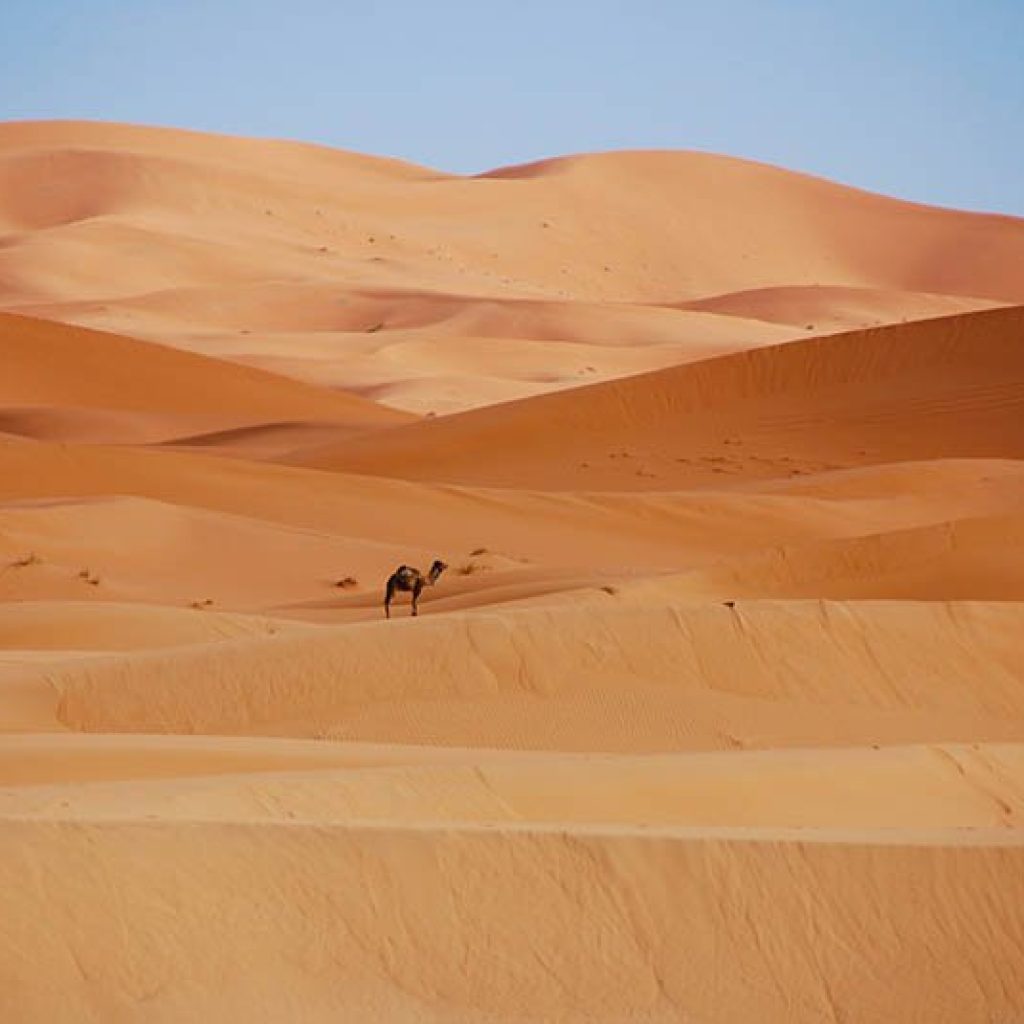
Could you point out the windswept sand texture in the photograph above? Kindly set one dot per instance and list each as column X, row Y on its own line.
column 717, row 714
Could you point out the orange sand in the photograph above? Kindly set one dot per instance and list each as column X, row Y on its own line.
column 717, row 714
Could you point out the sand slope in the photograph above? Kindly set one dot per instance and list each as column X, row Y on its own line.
column 594, row 678
column 375, row 274
column 483, row 920
column 818, row 307
column 68, row 383
column 950, row 387
column 717, row 713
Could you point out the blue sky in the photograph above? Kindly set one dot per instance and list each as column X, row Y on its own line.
column 923, row 100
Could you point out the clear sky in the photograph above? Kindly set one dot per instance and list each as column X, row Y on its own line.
column 922, row 99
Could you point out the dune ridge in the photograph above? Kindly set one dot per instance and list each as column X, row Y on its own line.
column 258, row 251
column 950, row 387
column 444, row 680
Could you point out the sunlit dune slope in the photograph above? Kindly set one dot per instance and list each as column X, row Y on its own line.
column 950, row 387
column 114, row 524
column 818, row 307
column 79, row 626
column 676, row 222
column 611, row 677
column 720, row 213
column 202, row 779
column 127, row 549
column 76, row 384
column 262, row 251
column 470, row 924
column 980, row 559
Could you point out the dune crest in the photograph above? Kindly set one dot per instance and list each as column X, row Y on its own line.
column 262, row 251
column 948, row 387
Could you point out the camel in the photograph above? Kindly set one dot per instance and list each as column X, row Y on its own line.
column 406, row 578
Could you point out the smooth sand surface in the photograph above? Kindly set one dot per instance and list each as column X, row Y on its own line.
column 717, row 713
column 434, row 292
column 948, row 387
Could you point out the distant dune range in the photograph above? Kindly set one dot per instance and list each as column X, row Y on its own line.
column 718, row 711
column 436, row 292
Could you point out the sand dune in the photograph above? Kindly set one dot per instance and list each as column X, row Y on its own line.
column 194, row 520
column 44, row 763
column 131, row 549
column 68, row 383
column 721, row 208
column 976, row 559
column 925, row 787
column 819, row 307
column 612, row 924
column 717, row 712
column 78, row 625
column 220, row 244
column 951, row 387
column 593, row 678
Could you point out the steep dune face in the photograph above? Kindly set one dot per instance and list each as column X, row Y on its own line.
column 69, row 383
column 579, row 679
column 48, row 363
column 717, row 713
column 951, row 387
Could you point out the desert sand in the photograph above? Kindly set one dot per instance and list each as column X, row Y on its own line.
column 717, row 714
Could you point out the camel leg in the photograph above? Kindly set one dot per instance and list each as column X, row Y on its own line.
column 417, row 590
column 388, row 594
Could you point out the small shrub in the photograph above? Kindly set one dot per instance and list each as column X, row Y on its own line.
column 26, row 560
column 346, row 582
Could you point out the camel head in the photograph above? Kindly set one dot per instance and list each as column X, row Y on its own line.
column 436, row 569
